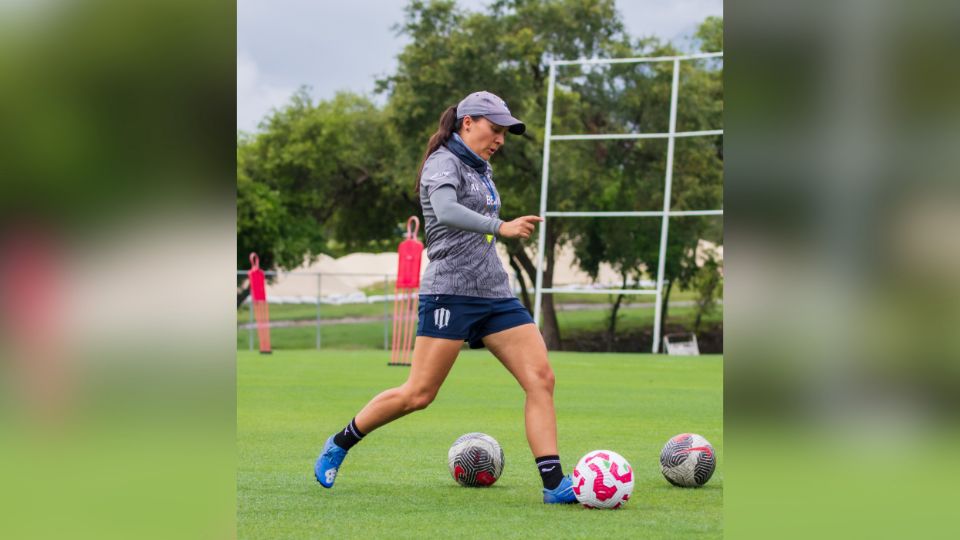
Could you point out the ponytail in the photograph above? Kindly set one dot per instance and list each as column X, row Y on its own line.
column 448, row 124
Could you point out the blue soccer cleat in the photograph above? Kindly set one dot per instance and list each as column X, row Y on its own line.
column 562, row 494
column 327, row 465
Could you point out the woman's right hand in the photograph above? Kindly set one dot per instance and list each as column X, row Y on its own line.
column 522, row 227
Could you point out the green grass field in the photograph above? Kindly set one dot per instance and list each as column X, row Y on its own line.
column 395, row 483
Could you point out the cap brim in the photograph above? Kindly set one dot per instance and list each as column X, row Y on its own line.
column 512, row 124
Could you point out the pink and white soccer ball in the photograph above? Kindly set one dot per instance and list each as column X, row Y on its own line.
column 602, row 479
column 687, row 460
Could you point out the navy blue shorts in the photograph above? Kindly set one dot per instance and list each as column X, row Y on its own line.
column 469, row 318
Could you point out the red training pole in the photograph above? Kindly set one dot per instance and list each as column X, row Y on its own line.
column 258, row 294
column 409, row 254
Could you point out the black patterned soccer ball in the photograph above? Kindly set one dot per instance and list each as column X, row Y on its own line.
column 687, row 460
column 475, row 460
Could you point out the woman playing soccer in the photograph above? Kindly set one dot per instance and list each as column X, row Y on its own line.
column 465, row 293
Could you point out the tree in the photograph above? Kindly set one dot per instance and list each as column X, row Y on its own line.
column 708, row 282
column 710, row 34
column 506, row 51
column 317, row 178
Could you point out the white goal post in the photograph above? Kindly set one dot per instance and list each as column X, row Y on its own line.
column 665, row 214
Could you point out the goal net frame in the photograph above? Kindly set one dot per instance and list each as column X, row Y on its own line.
column 671, row 135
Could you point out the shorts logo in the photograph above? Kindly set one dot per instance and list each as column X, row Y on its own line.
column 441, row 317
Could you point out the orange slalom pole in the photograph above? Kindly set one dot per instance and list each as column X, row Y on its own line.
column 396, row 326
column 408, row 333
column 262, row 311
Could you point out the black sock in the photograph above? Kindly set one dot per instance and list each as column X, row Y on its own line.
column 550, row 471
column 350, row 436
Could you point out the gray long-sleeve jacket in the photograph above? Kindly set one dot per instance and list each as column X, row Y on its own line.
column 461, row 215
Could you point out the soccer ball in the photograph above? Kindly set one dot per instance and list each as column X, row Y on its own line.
column 687, row 460
column 475, row 460
column 602, row 479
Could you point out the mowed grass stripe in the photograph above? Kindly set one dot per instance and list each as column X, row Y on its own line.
column 369, row 335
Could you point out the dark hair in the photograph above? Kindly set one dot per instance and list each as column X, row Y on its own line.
column 448, row 124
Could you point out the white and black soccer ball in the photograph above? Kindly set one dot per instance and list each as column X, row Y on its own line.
column 687, row 460
column 475, row 460
column 602, row 479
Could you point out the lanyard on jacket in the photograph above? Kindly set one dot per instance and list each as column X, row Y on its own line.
column 493, row 194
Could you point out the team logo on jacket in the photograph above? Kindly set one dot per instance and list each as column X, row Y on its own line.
column 441, row 318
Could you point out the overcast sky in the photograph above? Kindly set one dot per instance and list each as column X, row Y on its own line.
column 332, row 45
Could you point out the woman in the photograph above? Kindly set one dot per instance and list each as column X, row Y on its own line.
column 465, row 293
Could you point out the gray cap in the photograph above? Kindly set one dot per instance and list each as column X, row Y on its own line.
column 492, row 108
